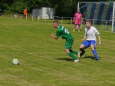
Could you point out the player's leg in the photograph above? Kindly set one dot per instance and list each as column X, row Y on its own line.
column 74, row 29
column 93, row 47
column 71, row 54
column 75, row 52
column 82, row 50
column 69, row 51
column 78, row 24
column 83, row 46
column 78, row 27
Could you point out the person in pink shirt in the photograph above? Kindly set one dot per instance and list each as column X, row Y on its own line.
column 77, row 20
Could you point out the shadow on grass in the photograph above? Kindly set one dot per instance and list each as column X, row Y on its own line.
column 65, row 59
column 90, row 57
column 70, row 60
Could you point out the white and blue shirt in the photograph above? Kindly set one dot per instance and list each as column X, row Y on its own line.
column 91, row 33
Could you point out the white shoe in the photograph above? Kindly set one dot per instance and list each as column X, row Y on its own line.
column 77, row 60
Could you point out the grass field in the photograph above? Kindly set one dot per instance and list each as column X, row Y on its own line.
column 43, row 62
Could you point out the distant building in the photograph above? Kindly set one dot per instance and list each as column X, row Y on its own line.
column 43, row 13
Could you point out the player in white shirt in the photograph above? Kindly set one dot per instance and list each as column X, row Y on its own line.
column 91, row 33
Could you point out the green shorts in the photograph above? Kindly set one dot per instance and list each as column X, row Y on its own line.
column 69, row 43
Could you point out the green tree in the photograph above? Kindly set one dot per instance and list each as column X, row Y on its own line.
column 62, row 7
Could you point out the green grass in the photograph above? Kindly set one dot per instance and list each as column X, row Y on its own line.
column 42, row 58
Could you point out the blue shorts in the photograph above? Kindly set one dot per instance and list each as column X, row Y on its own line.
column 88, row 43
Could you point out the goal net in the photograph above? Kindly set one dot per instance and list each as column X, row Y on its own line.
column 101, row 13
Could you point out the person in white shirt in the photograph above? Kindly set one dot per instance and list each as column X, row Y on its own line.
column 91, row 33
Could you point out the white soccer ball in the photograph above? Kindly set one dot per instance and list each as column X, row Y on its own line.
column 15, row 61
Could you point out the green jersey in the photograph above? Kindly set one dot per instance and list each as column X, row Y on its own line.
column 63, row 33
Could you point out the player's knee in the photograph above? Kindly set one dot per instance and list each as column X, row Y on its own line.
column 81, row 46
column 67, row 50
column 92, row 47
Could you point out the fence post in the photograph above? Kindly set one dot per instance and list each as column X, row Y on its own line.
column 113, row 17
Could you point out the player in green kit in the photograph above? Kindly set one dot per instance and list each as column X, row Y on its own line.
column 65, row 34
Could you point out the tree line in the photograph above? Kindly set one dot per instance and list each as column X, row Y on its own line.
column 62, row 7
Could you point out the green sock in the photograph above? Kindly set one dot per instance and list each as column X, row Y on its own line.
column 73, row 55
column 75, row 52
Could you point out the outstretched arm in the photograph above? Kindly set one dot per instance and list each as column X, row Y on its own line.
column 99, row 39
column 98, row 36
